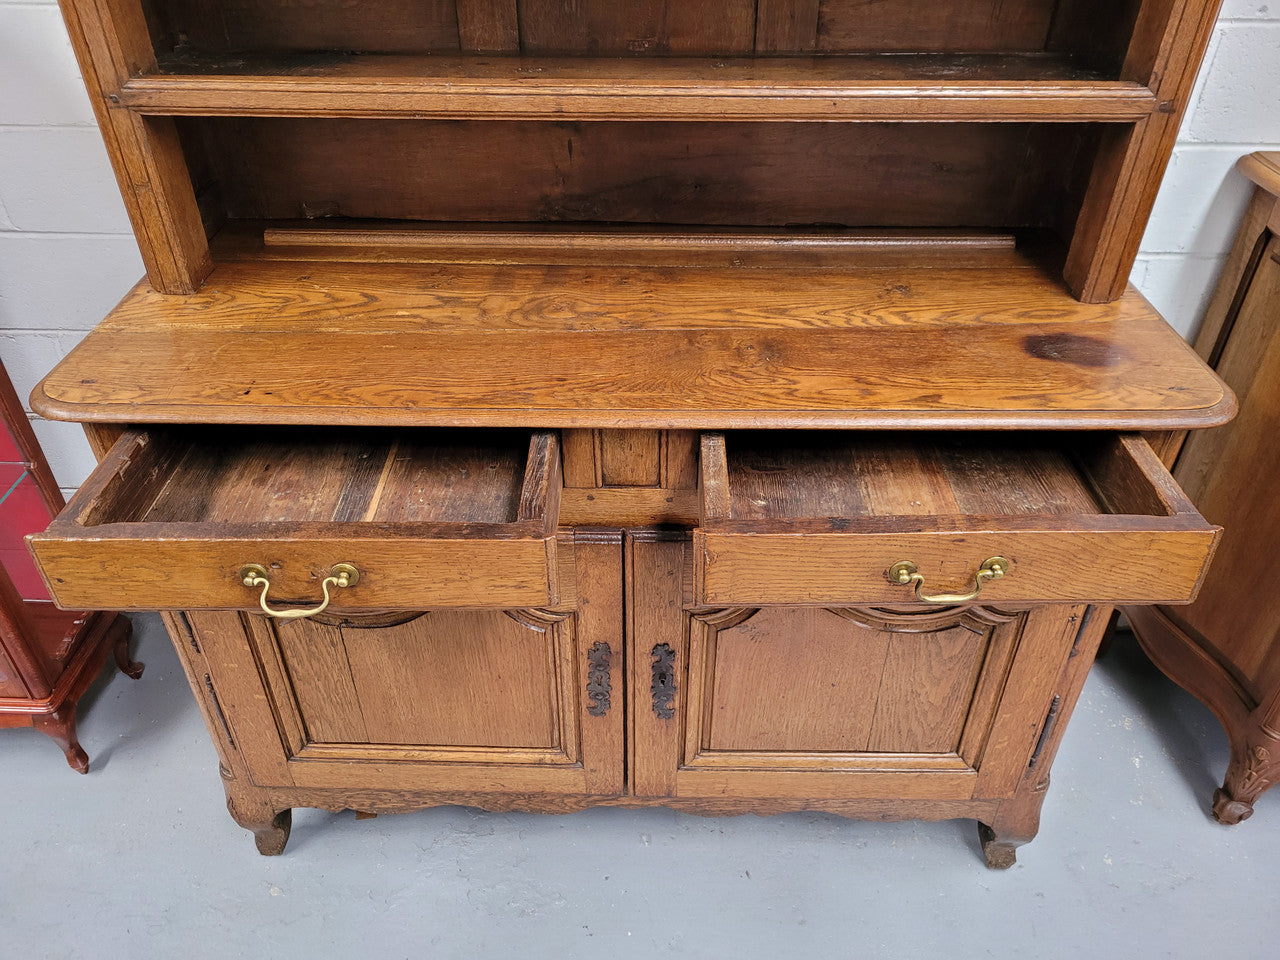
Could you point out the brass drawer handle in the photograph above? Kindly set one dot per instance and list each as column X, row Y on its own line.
column 340, row 575
column 905, row 572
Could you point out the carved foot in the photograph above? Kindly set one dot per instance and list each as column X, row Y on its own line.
column 60, row 726
column 999, row 854
column 124, row 630
column 270, row 827
column 1229, row 811
column 270, row 838
column 1254, row 766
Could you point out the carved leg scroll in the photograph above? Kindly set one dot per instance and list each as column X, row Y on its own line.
column 1253, row 729
column 1254, row 766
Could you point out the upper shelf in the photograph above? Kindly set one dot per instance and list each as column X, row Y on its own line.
column 880, row 332
column 918, row 87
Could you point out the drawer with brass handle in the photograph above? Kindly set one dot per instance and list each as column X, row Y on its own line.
column 298, row 521
column 942, row 519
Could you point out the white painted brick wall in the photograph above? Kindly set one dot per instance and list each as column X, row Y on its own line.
column 67, row 256
column 1234, row 110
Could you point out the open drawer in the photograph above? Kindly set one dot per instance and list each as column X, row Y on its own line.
column 943, row 518
column 415, row 519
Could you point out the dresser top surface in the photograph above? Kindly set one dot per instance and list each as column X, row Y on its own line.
column 896, row 339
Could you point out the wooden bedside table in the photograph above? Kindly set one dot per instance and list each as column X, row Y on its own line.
column 1225, row 647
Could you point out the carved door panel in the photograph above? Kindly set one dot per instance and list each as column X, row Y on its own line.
column 465, row 701
column 830, row 703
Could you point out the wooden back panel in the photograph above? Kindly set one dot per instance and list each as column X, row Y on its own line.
column 1001, row 175
column 643, row 27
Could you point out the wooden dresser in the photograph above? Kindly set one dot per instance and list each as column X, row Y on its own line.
column 734, row 406
column 1225, row 647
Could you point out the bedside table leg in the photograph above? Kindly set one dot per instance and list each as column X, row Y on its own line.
column 121, row 632
column 1254, row 766
column 60, row 726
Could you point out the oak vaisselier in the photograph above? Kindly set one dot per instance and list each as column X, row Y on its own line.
column 734, row 406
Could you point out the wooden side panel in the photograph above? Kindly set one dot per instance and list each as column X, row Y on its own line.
column 1252, row 245
column 1216, row 466
column 1168, row 43
column 238, row 708
column 1050, row 637
column 111, row 43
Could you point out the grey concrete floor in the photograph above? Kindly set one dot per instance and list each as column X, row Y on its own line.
column 139, row 858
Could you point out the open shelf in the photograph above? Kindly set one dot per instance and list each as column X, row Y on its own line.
column 610, row 342
column 1008, row 87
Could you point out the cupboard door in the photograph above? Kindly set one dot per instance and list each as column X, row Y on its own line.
column 475, row 701
column 834, row 703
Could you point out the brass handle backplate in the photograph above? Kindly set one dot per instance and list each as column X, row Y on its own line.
column 905, row 572
column 254, row 575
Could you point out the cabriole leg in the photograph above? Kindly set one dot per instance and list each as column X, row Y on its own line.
column 122, row 631
column 1254, row 766
column 60, row 726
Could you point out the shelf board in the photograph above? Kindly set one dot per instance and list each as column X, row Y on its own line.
column 874, row 344
column 938, row 87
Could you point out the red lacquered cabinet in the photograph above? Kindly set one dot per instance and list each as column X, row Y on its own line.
column 48, row 657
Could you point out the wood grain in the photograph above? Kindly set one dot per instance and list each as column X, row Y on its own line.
column 449, row 678
column 761, row 694
column 576, row 348
column 424, row 525
column 930, row 87
column 644, row 27
column 947, row 516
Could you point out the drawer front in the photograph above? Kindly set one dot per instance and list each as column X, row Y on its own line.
column 142, row 573
column 1100, row 566
column 170, row 524
column 1142, row 542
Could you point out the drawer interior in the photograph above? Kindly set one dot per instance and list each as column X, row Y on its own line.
column 172, row 518
column 278, row 474
column 777, row 477
column 857, row 518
